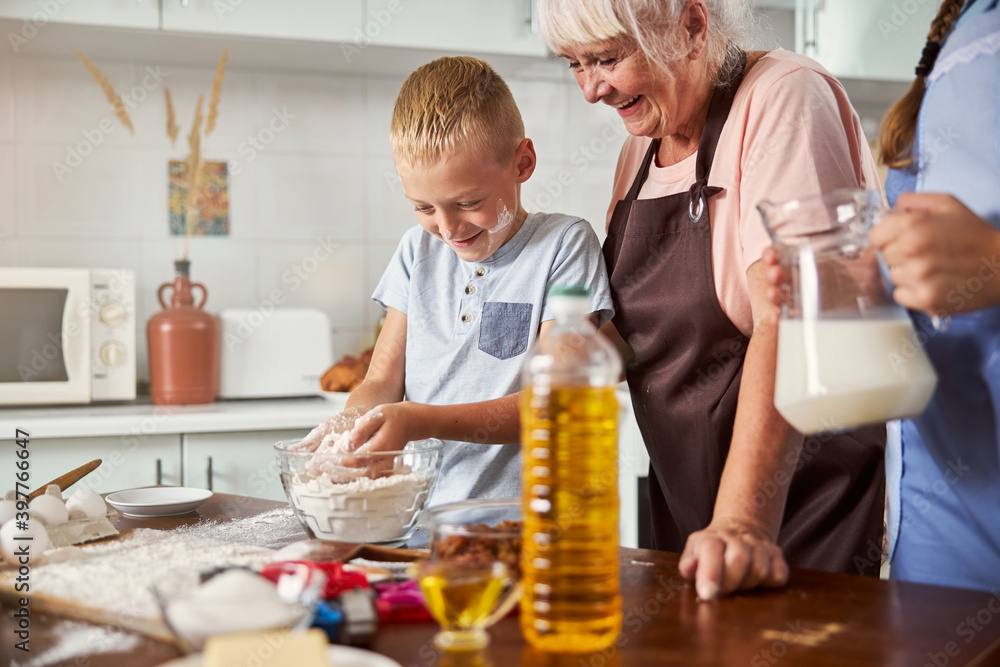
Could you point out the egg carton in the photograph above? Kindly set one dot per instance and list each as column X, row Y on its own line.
column 76, row 531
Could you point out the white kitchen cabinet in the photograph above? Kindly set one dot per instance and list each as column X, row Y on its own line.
column 466, row 26
column 127, row 461
column 868, row 40
column 241, row 463
column 311, row 20
column 36, row 14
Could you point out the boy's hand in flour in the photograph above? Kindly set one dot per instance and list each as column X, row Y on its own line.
column 386, row 428
column 342, row 422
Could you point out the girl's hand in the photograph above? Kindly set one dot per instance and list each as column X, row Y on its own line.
column 942, row 257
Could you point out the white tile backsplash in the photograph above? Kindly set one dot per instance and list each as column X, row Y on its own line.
column 380, row 97
column 8, row 252
column 540, row 102
column 96, row 196
column 6, row 99
column 307, row 196
column 320, row 274
column 57, row 101
column 316, row 114
column 390, row 213
column 8, row 189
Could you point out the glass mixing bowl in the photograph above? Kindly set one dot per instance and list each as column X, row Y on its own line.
column 351, row 497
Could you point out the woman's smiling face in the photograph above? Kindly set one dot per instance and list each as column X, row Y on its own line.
column 652, row 103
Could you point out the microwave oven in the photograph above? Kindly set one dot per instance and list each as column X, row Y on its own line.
column 66, row 335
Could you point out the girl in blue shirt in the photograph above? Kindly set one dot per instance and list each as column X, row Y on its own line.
column 942, row 246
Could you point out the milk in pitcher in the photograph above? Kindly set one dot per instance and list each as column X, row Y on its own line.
column 840, row 373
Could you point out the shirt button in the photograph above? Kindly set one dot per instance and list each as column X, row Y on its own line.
column 466, row 318
column 480, row 271
column 470, row 290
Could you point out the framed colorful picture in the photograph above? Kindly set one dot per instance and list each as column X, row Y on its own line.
column 210, row 206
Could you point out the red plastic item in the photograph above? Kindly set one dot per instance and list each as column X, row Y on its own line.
column 183, row 345
column 338, row 579
column 400, row 602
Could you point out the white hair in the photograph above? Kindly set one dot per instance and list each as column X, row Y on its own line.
column 649, row 24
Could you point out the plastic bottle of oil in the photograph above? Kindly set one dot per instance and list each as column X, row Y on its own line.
column 569, row 448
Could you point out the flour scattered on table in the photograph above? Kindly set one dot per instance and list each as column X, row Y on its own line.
column 78, row 639
column 119, row 576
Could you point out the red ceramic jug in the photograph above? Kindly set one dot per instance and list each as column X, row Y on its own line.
column 183, row 345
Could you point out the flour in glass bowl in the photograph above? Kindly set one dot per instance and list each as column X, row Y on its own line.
column 363, row 510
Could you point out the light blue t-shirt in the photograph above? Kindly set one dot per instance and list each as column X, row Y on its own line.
column 469, row 325
column 943, row 475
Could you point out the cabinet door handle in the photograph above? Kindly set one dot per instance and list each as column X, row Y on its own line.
column 533, row 17
column 159, row 472
column 210, row 474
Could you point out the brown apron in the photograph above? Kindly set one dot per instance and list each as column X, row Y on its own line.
column 685, row 380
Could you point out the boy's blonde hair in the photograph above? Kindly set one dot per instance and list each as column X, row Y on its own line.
column 452, row 101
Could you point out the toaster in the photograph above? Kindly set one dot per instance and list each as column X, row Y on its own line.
column 276, row 353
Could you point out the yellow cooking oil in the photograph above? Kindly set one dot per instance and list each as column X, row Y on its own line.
column 572, row 595
column 462, row 597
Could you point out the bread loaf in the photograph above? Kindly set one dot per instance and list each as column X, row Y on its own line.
column 347, row 373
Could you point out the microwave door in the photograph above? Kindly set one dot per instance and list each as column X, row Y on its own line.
column 45, row 337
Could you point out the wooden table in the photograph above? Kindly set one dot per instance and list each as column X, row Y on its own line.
column 819, row 619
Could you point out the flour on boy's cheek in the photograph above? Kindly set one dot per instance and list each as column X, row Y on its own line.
column 505, row 217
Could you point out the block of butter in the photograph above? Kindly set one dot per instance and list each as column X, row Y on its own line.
column 276, row 648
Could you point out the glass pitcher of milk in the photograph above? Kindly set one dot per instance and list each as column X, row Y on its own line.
column 847, row 354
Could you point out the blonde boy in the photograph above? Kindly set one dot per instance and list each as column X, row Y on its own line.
column 466, row 289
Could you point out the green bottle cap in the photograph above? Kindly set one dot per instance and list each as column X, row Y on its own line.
column 569, row 290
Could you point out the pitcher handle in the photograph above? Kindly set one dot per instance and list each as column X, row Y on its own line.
column 159, row 294
column 204, row 294
column 513, row 597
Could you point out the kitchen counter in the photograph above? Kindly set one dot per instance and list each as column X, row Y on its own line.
column 818, row 619
column 141, row 416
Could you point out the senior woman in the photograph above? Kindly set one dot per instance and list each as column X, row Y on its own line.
column 714, row 131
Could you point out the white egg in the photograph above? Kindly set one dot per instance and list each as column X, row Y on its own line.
column 13, row 548
column 88, row 501
column 7, row 510
column 48, row 509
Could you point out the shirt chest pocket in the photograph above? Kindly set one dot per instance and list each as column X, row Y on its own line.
column 505, row 328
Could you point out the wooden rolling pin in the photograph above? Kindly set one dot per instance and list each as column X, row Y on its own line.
column 69, row 479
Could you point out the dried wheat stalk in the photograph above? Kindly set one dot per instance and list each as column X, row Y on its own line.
column 172, row 128
column 213, row 105
column 193, row 166
column 109, row 91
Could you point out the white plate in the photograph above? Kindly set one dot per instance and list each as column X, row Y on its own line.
column 341, row 656
column 165, row 501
